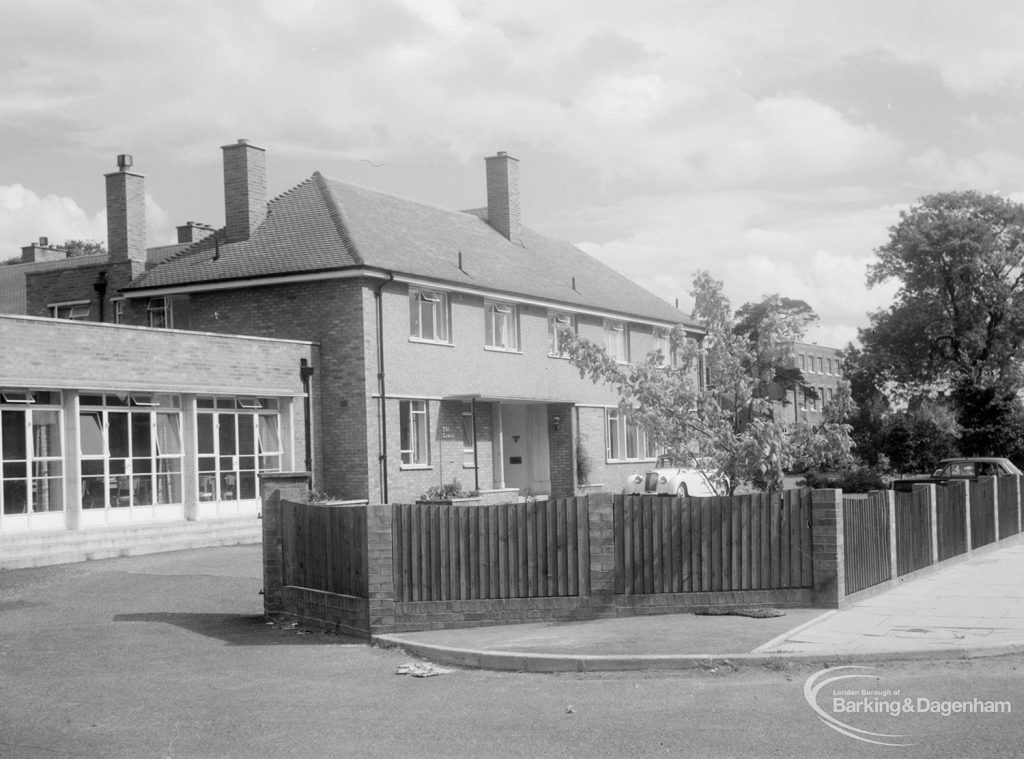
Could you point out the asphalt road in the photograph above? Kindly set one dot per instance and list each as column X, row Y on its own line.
column 169, row 656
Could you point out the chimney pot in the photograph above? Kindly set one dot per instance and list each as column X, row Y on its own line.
column 44, row 241
column 124, row 162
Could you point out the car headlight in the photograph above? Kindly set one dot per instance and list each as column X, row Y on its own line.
column 663, row 479
column 637, row 478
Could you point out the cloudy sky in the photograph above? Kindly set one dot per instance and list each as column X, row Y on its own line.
column 771, row 143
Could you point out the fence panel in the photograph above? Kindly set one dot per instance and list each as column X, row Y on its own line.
column 323, row 547
column 913, row 531
column 756, row 541
column 866, row 541
column 951, row 519
column 444, row 552
column 1007, row 494
column 983, row 517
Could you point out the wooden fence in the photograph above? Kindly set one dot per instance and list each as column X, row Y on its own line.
column 866, row 545
column 983, row 515
column 951, row 520
column 1007, row 506
column 448, row 552
column 322, row 547
column 680, row 545
column 913, row 531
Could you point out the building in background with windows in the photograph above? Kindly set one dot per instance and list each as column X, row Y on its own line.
column 822, row 371
column 440, row 356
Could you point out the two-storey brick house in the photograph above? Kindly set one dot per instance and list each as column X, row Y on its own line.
column 438, row 330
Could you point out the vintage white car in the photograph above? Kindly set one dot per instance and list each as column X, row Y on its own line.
column 671, row 476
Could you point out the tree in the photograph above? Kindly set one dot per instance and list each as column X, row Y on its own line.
column 956, row 325
column 729, row 419
column 76, row 248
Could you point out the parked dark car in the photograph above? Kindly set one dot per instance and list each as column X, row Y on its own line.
column 965, row 468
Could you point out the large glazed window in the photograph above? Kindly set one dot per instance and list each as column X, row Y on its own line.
column 626, row 440
column 130, row 449
column 31, row 463
column 238, row 439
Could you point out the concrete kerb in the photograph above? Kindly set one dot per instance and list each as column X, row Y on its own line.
column 517, row 661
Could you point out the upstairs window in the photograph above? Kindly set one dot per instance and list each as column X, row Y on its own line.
column 158, row 312
column 664, row 344
column 559, row 325
column 616, row 341
column 75, row 310
column 502, row 327
column 428, row 316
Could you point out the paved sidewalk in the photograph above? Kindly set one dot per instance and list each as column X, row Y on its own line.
column 974, row 607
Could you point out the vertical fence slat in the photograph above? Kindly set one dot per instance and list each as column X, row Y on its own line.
column 583, row 541
column 655, row 529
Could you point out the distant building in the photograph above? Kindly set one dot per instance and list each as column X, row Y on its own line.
column 822, row 369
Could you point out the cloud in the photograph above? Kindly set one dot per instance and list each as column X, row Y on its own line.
column 26, row 216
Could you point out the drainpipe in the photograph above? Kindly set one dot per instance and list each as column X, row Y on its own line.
column 382, row 437
column 305, row 374
column 476, row 461
column 100, row 286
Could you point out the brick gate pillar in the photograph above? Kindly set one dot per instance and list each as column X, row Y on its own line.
column 827, row 548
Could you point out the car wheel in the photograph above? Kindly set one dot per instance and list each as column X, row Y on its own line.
column 681, row 491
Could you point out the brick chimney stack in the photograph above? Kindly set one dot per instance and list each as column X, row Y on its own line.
column 193, row 231
column 503, row 195
column 245, row 189
column 41, row 251
column 126, row 213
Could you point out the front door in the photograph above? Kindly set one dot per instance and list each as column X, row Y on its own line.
column 525, row 444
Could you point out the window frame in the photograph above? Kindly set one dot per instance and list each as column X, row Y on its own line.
column 166, row 315
column 440, row 316
column 77, row 310
column 414, row 427
column 40, row 473
column 555, row 318
column 622, row 434
column 145, row 472
column 468, row 439
column 508, row 313
column 611, row 327
column 662, row 338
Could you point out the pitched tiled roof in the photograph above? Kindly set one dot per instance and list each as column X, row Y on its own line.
column 324, row 225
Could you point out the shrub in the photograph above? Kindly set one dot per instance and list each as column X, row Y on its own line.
column 856, row 480
column 444, row 492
